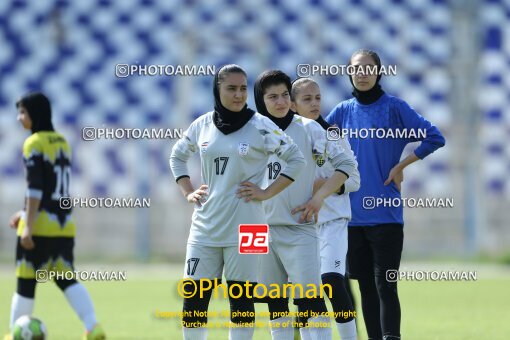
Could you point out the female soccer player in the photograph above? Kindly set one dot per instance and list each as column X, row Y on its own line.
column 334, row 215
column 376, row 233
column 293, row 248
column 46, row 230
column 234, row 144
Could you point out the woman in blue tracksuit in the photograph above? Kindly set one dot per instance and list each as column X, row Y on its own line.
column 376, row 231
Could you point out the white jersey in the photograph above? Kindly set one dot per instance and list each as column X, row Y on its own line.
column 338, row 206
column 312, row 141
column 226, row 161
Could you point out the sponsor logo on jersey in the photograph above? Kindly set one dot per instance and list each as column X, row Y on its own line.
column 203, row 147
column 243, row 149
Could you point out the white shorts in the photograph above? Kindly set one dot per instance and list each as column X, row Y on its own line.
column 293, row 257
column 206, row 262
column 333, row 245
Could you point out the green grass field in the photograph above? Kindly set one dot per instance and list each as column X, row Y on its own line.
column 127, row 309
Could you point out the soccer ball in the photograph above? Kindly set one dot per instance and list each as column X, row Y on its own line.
column 28, row 328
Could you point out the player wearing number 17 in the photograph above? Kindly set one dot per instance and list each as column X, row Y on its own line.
column 45, row 230
column 234, row 144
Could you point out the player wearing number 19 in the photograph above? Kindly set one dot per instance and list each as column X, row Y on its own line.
column 234, row 144
column 294, row 244
column 45, row 230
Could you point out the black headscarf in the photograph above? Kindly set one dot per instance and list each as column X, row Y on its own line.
column 39, row 110
column 372, row 95
column 225, row 120
column 325, row 125
column 283, row 122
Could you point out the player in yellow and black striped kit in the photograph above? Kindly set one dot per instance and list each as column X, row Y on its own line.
column 45, row 230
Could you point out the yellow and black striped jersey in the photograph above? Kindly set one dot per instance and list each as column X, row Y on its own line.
column 47, row 159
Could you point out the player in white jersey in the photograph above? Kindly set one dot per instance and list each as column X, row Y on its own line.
column 293, row 241
column 234, row 144
column 334, row 215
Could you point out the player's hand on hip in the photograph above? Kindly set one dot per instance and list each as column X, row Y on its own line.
column 310, row 210
column 396, row 175
column 14, row 220
column 26, row 239
column 251, row 192
column 198, row 196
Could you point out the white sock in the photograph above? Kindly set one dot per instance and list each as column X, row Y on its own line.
column 282, row 328
column 305, row 333
column 347, row 330
column 79, row 299
column 20, row 306
column 320, row 328
column 199, row 333
column 240, row 333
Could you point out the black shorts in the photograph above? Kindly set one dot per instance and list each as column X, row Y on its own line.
column 49, row 253
column 374, row 250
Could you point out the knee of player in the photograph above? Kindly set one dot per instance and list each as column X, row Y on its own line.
column 310, row 308
column 194, row 311
column 385, row 288
column 63, row 284
column 332, row 284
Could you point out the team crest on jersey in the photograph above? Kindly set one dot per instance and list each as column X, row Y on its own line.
column 243, row 149
column 319, row 158
column 203, row 147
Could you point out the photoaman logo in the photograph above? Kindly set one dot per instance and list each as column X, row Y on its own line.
column 253, row 239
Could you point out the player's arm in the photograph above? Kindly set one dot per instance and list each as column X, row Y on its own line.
column 181, row 152
column 310, row 210
column 33, row 160
column 192, row 195
column 33, row 200
column 353, row 183
column 341, row 157
column 275, row 142
column 290, row 153
column 14, row 220
column 344, row 163
column 30, row 216
column 250, row 191
column 432, row 141
column 397, row 172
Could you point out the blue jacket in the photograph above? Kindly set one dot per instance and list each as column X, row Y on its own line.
column 377, row 156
